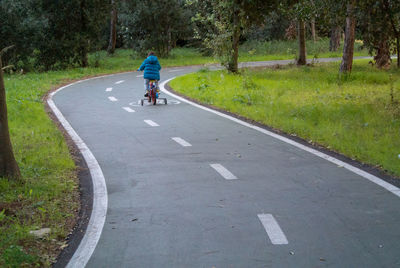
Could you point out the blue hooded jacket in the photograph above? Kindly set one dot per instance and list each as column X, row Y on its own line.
column 151, row 68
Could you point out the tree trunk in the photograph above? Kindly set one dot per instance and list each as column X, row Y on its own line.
column 334, row 43
column 84, row 55
column 8, row 166
column 84, row 41
column 302, row 43
column 382, row 57
column 233, row 61
column 170, row 45
column 313, row 33
column 395, row 30
column 113, row 29
column 398, row 51
column 348, row 48
column 169, row 35
column 291, row 31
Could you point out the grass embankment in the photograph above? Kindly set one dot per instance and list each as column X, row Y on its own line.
column 354, row 116
column 48, row 193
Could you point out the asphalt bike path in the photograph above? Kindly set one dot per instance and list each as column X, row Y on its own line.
column 189, row 188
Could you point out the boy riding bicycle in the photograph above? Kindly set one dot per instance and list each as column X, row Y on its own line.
column 151, row 67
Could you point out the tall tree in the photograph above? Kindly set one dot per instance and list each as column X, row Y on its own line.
column 335, row 36
column 154, row 24
column 392, row 8
column 71, row 30
column 302, row 60
column 224, row 22
column 236, row 31
column 379, row 24
column 113, row 28
column 333, row 15
column 348, row 48
column 301, row 11
column 8, row 166
column 19, row 26
column 83, row 29
column 312, row 23
column 313, row 31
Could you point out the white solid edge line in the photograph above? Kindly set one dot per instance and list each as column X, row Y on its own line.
column 223, row 172
column 100, row 199
column 109, row 89
column 151, row 123
column 181, row 142
column 391, row 188
column 273, row 229
column 112, row 98
column 129, row 110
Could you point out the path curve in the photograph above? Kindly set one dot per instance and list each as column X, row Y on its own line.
column 84, row 253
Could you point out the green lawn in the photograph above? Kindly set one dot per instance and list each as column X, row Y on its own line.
column 354, row 115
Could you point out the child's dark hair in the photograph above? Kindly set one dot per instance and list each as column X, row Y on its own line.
column 151, row 53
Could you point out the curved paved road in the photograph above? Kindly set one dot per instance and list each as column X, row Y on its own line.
column 188, row 188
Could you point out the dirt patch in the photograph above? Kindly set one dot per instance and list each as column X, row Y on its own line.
column 11, row 209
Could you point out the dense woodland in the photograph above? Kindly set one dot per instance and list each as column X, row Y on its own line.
column 52, row 35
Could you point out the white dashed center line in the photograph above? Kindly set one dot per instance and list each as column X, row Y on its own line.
column 223, row 172
column 112, row 98
column 140, row 75
column 274, row 232
column 181, row 141
column 119, row 82
column 151, row 123
column 176, row 70
column 109, row 89
column 129, row 110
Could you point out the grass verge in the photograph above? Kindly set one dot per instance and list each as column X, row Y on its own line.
column 352, row 115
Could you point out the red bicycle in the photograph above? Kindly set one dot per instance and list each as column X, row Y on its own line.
column 153, row 93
